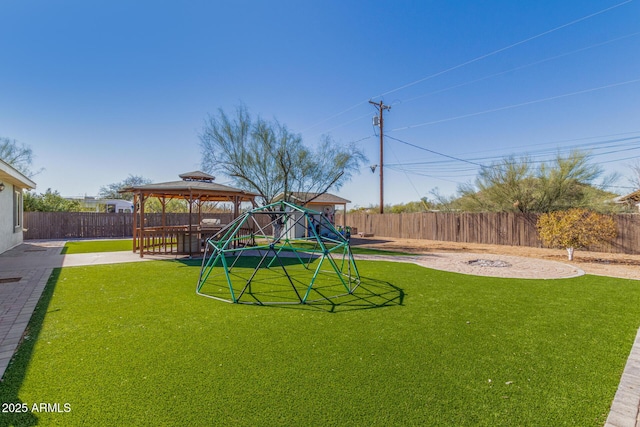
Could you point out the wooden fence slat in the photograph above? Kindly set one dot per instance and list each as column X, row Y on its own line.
column 503, row 228
column 78, row 225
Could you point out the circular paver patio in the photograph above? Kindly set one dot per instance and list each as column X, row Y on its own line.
column 491, row 265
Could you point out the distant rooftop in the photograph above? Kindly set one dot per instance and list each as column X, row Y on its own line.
column 324, row 199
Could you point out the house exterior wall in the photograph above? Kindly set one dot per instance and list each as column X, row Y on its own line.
column 10, row 236
column 12, row 182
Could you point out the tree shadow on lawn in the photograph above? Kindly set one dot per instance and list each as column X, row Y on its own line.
column 17, row 369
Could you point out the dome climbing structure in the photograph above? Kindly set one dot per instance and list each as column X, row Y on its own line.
column 281, row 253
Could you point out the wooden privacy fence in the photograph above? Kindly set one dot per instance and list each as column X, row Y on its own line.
column 491, row 228
column 497, row 228
column 79, row 225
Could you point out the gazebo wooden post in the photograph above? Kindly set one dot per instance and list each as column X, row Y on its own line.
column 163, row 219
column 190, row 223
column 142, row 243
column 232, row 210
column 344, row 217
column 236, row 207
column 199, row 203
column 135, row 221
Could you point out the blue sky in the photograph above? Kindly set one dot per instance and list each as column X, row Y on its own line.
column 104, row 89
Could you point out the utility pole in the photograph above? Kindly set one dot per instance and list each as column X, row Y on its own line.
column 381, row 107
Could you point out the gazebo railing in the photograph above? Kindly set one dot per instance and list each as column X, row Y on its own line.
column 164, row 240
column 175, row 240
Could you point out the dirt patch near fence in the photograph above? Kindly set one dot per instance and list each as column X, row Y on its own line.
column 600, row 263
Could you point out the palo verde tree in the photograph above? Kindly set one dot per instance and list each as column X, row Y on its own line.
column 518, row 185
column 575, row 228
column 265, row 157
column 504, row 186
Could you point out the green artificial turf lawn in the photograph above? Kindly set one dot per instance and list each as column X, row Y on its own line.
column 357, row 250
column 90, row 246
column 370, row 251
column 132, row 344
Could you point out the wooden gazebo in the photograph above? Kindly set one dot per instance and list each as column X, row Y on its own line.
column 195, row 188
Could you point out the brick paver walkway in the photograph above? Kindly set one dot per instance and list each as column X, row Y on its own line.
column 24, row 271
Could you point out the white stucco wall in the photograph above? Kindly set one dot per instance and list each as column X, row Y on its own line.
column 8, row 237
column 12, row 180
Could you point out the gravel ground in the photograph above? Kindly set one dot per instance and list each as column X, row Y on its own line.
column 599, row 263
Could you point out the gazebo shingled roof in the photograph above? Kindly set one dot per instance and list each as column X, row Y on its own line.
column 196, row 176
column 209, row 191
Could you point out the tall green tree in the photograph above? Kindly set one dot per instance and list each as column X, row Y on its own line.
column 570, row 182
column 265, row 157
column 49, row 201
column 517, row 185
column 504, row 186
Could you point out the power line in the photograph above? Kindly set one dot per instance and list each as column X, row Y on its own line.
column 344, row 123
column 613, row 146
column 335, row 115
column 522, row 104
column 469, row 82
column 521, row 67
column 504, row 48
column 361, row 139
column 617, row 160
column 434, row 152
column 502, row 73
column 566, row 140
column 471, row 61
column 407, row 176
column 591, row 147
column 445, row 165
column 428, row 176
